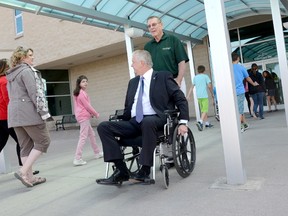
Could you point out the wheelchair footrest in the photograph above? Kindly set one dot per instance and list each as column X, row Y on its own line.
column 146, row 181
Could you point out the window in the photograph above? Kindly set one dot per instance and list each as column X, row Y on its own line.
column 18, row 22
column 57, row 91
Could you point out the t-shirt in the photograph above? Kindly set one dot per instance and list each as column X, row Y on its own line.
column 167, row 53
column 240, row 73
column 200, row 82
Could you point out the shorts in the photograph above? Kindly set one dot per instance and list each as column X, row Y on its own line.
column 240, row 101
column 33, row 137
column 204, row 104
column 271, row 92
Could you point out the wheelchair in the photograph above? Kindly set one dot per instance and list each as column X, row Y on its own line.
column 169, row 144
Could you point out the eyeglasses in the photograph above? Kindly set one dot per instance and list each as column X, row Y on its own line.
column 152, row 25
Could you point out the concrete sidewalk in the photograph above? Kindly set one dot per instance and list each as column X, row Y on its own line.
column 72, row 190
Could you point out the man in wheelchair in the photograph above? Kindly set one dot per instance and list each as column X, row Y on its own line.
column 148, row 95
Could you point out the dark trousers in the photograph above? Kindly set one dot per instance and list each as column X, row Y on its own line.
column 4, row 135
column 148, row 128
column 258, row 102
column 248, row 101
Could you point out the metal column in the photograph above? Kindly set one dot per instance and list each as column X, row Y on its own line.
column 225, row 87
column 281, row 51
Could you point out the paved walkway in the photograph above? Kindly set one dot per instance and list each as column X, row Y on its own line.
column 72, row 190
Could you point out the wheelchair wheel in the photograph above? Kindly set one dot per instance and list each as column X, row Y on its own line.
column 165, row 174
column 184, row 153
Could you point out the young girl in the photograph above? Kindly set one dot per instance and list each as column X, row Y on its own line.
column 84, row 112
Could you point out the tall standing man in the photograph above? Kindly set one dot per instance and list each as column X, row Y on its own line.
column 167, row 51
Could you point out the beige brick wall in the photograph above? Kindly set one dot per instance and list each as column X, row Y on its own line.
column 108, row 80
column 53, row 39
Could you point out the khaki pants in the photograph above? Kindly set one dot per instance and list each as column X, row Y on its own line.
column 33, row 137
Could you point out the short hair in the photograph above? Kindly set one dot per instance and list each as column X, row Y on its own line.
column 201, row 69
column 152, row 17
column 143, row 55
column 234, row 56
column 18, row 55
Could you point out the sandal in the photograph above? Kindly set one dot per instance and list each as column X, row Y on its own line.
column 38, row 180
column 23, row 179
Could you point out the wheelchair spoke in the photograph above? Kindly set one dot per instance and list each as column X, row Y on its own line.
column 184, row 153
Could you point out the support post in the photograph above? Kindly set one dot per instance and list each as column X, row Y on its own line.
column 226, row 92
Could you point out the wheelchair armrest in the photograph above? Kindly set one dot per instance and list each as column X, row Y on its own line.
column 117, row 116
column 171, row 112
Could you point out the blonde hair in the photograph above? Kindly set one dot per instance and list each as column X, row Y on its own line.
column 18, row 55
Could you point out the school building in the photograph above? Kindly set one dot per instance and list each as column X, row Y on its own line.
column 66, row 47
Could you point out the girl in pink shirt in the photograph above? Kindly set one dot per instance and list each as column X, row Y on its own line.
column 84, row 112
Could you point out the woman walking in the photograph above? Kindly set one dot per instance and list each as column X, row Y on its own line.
column 27, row 112
column 270, row 90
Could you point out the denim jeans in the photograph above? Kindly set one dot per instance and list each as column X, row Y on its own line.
column 258, row 102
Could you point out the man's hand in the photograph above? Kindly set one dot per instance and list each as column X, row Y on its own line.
column 182, row 129
column 256, row 83
column 178, row 81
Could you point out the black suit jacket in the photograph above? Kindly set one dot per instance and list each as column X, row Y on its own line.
column 165, row 94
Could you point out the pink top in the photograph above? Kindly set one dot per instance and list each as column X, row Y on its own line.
column 82, row 107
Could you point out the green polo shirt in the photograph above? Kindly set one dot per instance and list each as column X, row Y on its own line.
column 167, row 53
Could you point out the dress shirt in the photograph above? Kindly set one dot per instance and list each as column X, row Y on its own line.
column 147, row 108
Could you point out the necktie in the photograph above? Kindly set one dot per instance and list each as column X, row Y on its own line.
column 139, row 106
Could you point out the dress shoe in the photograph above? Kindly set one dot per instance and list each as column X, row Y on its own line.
column 141, row 176
column 115, row 179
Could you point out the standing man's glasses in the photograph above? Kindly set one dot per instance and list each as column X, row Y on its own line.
column 152, row 25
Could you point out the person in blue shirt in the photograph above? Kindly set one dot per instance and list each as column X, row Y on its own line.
column 201, row 82
column 240, row 73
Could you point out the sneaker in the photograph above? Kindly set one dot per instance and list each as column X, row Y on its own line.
column 242, row 128
column 98, row 155
column 200, row 126
column 79, row 162
column 245, row 126
column 209, row 126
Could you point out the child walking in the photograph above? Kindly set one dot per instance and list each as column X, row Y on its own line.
column 202, row 81
column 84, row 112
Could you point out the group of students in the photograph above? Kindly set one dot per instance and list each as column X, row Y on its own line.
column 249, row 83
column 255, row 95
column 254, row 86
